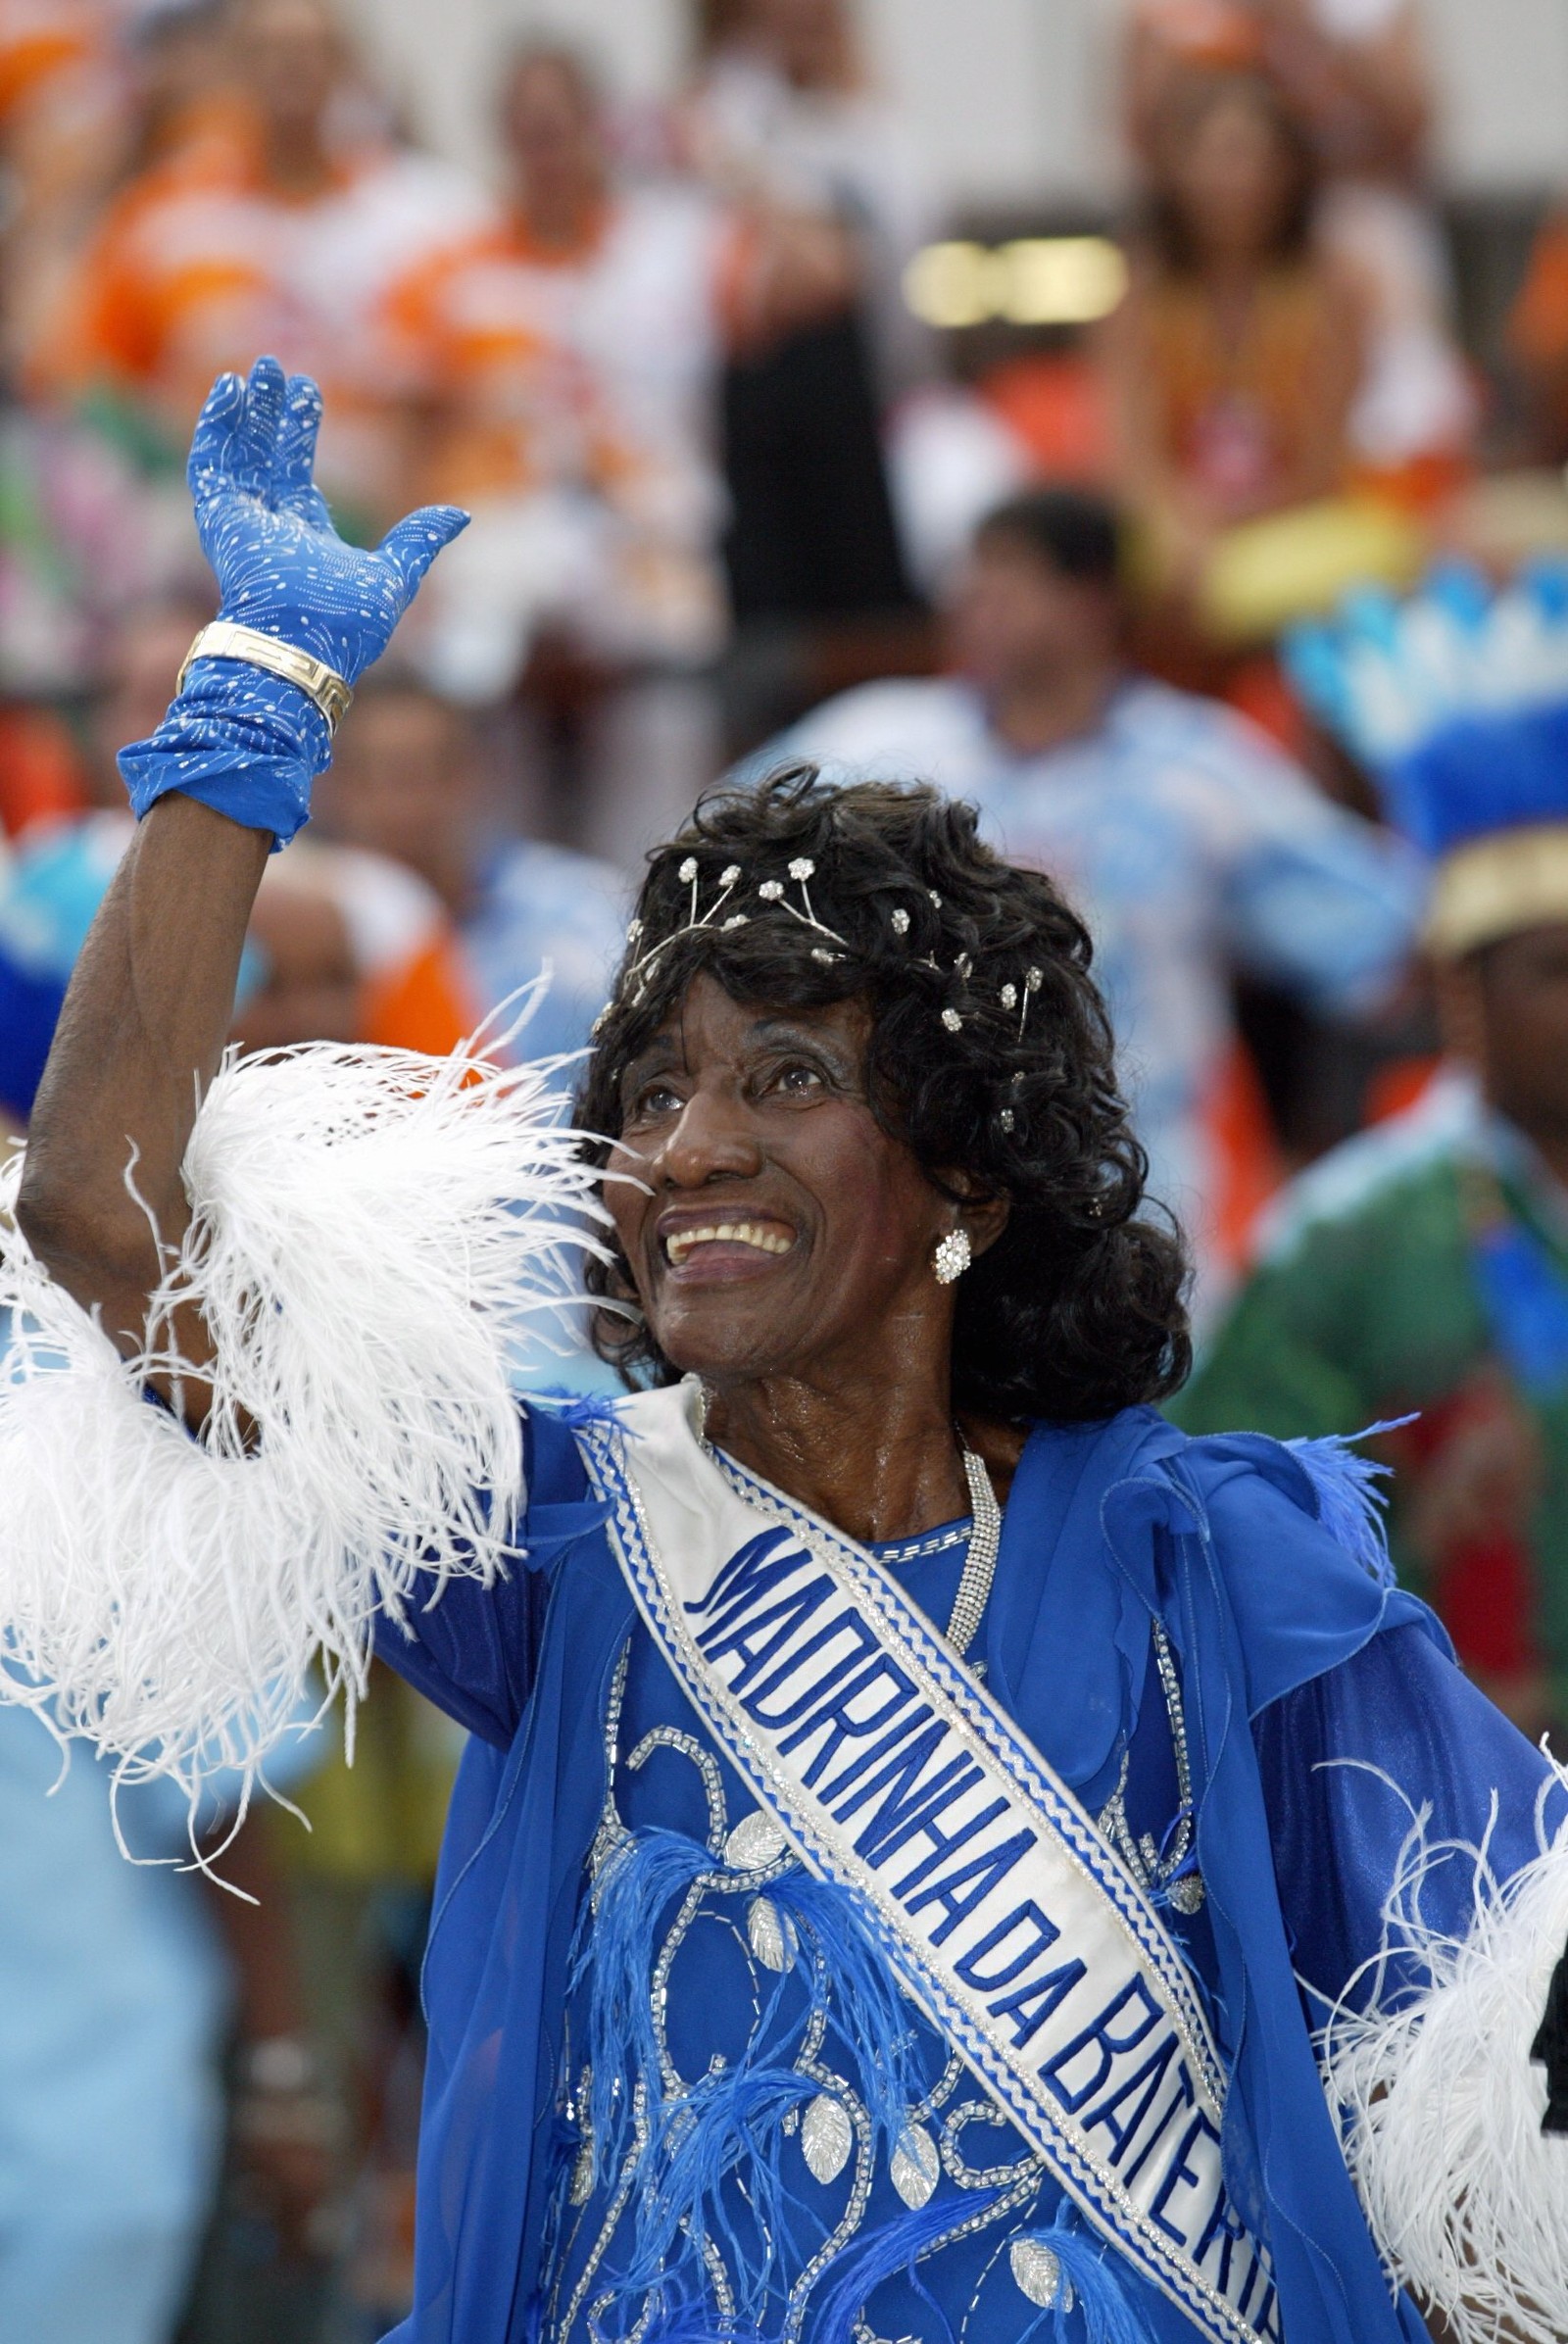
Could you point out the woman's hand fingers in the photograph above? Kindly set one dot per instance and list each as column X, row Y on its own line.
column 255, row 446
column 210, row 465
column 413, row 544
column 297, row 491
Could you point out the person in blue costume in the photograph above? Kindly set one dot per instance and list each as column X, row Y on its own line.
column 939, row 1853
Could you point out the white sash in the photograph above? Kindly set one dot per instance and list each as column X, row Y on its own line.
column 898, row 1778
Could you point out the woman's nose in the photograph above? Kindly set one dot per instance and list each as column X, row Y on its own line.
column 712, row 1137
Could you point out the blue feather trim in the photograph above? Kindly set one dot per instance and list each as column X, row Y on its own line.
column 1349, row 1496
column 886, row 2253
column 868, row 2008
column 712, row 2161
column 574, row 1408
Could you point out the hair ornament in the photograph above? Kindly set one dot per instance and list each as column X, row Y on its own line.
column 801, row 870
column 952, row 1020
column 771, row 892
column 690, row 875
column 1009, row 996
column 1006, row 1118
column 899, row 921
column 1032, row 983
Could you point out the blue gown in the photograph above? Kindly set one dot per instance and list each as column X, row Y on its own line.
column 599, row 1945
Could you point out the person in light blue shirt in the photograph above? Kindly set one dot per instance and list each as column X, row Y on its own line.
column 110, row 2114
column 1191, row 843
column 118, row 1990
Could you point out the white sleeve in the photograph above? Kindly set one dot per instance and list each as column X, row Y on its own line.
column 1316, row 898
column 369, row 1231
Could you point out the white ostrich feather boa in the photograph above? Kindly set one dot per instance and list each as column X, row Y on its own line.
column 1440, row 2107
column 369, row 1230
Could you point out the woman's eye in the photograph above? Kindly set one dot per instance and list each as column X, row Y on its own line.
column 656, row 1101
column 798, row 1082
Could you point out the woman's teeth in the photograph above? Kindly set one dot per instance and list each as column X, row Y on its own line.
column 681, row 1241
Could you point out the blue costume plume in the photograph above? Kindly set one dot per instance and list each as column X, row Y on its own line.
column 1350, row 1498
column 1456, row 700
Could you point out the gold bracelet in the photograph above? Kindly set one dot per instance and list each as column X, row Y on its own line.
column 225, row 640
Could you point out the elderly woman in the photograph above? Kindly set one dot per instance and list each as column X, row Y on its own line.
column 918, row 1806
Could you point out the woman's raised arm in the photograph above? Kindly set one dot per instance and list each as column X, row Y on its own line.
column 324, row 1257
column 225, row 777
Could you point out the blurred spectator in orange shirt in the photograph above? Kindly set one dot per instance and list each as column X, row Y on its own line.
column 64, row 106
column 1235, row 355
column 279, row 231
column 566, row 356
column 1353, row 73
column 565, row 353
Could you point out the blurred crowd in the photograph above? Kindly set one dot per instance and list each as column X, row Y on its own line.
column 738, row 496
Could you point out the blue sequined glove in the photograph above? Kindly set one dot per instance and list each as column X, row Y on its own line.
column 243, row 741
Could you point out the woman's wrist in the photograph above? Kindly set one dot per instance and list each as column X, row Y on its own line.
column 239, row 739
column 275, row 653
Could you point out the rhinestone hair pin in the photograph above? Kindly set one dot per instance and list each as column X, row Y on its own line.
column 771, row 892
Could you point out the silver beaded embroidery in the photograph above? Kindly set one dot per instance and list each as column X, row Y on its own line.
column 1160, row 1876
column 1036, row 2269
column 826, row 2138
column 916, row 2167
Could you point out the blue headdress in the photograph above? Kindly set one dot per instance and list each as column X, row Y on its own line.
column 1457, row 701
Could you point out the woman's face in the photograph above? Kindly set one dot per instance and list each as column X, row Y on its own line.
column 781, row 1231
column 1230, row 175
column 551, row 130
column 811, row 40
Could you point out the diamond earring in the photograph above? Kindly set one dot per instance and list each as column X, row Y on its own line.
column 952, row 1257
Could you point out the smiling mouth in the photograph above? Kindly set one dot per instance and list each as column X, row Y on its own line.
column 680, row 1243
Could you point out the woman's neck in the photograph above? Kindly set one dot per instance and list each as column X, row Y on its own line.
column 1034, row 713
column 878, row 1461
column 297, row 162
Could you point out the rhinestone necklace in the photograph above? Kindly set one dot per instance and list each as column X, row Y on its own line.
column 980, row 1563
column 984, row 1540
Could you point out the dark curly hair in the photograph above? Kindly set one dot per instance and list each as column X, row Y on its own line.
column 1077, row 1310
